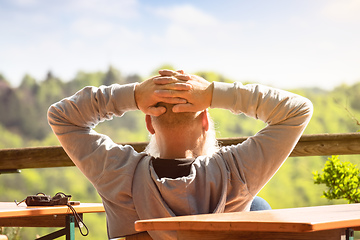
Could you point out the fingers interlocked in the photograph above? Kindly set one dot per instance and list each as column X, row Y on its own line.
column 188, row 93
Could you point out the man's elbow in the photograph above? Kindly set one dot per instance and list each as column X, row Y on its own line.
column 308, row 107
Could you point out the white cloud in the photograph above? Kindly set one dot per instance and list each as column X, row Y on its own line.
column 106, row 8
column 343, row 10
column 292, row 49
column 190, row 27
column 91, row 27
column 186, row 15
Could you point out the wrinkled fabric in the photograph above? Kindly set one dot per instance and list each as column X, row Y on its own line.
column 225, row 182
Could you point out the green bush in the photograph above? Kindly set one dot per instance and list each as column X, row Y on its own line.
column 341, row 179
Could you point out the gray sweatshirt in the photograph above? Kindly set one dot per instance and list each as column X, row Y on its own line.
column 225, row 182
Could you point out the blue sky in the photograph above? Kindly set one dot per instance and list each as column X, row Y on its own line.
column 286, row 44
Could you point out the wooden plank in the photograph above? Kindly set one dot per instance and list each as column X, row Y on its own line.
column 39, row 157
column 58, row 220
column 309, row 145
column 336, row 234
column 39, row 221
column 10, row 209
column 328, row 144
column 307, row 219
column 317, row 144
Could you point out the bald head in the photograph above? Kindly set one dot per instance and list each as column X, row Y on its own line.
column 174, row 135
column 171, row 119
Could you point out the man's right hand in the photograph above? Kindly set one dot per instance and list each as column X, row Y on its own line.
column 146, row 99
column 198, row 98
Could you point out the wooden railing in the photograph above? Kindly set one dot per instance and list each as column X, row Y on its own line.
column 308, row 145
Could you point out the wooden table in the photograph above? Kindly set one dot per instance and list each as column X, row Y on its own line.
column 12, row 215
column 323, row 222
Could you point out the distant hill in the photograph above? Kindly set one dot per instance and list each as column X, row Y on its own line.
column 23, row 123
column 24, row 108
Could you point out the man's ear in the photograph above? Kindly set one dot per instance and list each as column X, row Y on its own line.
column 205, row 120
column 149, row 125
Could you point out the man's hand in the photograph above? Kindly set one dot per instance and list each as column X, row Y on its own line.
column 198, row 97
column 146, row 100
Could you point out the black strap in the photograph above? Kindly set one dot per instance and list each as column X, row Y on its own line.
column 79, row 221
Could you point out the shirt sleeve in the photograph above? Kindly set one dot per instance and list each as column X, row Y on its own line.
column 73, row 119
column 257, row 159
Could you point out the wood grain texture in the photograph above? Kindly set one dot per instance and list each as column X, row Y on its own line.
column 9, row 209
column 308, row 219
column 41, row 221
column 12, row 215
column 335, row 234
column 308, row 145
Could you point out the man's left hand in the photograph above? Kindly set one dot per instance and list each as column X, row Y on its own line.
column 146, row 99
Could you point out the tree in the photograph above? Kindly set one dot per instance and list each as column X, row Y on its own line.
column 112, row 76
column 9, row 106
column 133, row 78
column 341, row 179
column 29, row 86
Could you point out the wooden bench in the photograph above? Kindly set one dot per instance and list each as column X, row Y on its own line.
column 332, row 222
column 12, row 215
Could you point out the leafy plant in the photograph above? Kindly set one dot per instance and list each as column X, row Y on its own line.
column 341, row 179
